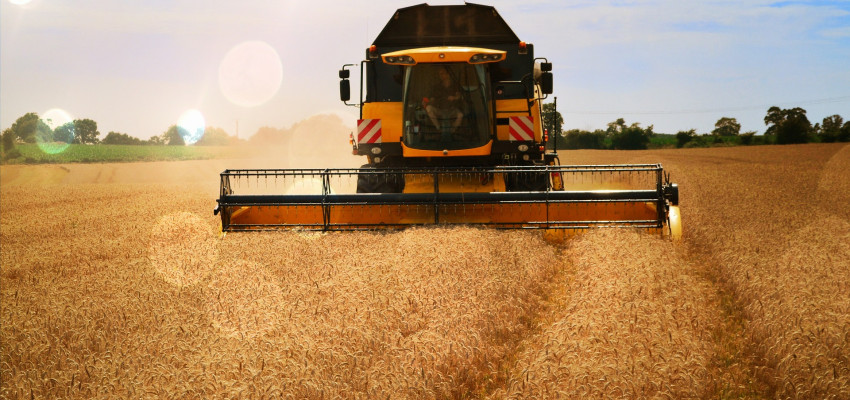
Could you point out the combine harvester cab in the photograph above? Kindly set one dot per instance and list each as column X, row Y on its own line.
column 450, row 125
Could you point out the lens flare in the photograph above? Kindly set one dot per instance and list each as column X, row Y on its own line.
column 61, row 133
column 191, row 125
column 250, row 74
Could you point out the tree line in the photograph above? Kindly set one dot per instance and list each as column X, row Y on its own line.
column 784, row 126
column 30, row 128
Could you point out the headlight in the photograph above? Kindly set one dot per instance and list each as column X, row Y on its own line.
column 482, row 58
column 523, row 148
column 376, row 150
column 399, row 60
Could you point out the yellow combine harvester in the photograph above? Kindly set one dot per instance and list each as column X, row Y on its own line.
column 450, row 124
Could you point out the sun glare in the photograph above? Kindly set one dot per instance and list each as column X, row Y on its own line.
column 191, row 125
column 56, row 117
column 61, row 137
column 250, row 74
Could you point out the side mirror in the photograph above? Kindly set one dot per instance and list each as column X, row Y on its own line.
column 344, row 73
column 344, row 89
column 546, row 83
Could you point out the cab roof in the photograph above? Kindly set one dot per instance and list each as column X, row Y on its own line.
column 453, row 25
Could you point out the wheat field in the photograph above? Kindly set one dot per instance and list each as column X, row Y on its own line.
column 115, row 284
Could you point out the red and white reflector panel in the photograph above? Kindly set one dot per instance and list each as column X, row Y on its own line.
column 369, row 131
column 521, row 128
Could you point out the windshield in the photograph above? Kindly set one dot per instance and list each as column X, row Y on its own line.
column 446, row 106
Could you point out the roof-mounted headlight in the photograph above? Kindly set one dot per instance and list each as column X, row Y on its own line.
column 399, row 60
column 485, row 57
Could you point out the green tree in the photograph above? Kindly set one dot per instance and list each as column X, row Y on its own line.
column 726, row 127
column 632, row 137
column 788, row 125
column 112, row 138
column 773, row 120
column 30, row 127
column 64, row 133
column 44, row 135
column 7, row 140
column 552, row 120
column 156, row 140
column 747, row 137
column 85, row 131
column 214, row 137
column 683, row 137
column 174, row 136
column 120, row 138
column 616, row 126
column 579, row 139
column 830, row 131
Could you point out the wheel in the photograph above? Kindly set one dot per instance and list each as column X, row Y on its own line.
column 379, row 182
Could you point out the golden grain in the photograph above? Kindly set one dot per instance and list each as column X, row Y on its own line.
column 125, row 290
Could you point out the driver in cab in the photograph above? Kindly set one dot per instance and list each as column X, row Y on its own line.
column 442, row 105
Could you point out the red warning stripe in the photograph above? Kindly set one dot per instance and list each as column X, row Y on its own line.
column 369, row 131
column 521, row 128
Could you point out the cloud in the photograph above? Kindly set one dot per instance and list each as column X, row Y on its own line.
column 836, row 33
column 595, row 22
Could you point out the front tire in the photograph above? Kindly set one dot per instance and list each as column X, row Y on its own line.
column 379, row 182
column 527, row 182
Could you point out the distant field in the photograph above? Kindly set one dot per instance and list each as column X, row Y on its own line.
column 76, row 153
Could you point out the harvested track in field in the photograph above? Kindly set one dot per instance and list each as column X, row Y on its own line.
column 634, row 321
column 125, row 289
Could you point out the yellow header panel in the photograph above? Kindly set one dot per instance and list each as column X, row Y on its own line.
column 475, row 151
column 472, row 55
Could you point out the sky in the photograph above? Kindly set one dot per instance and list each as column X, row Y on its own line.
column 140, row 67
